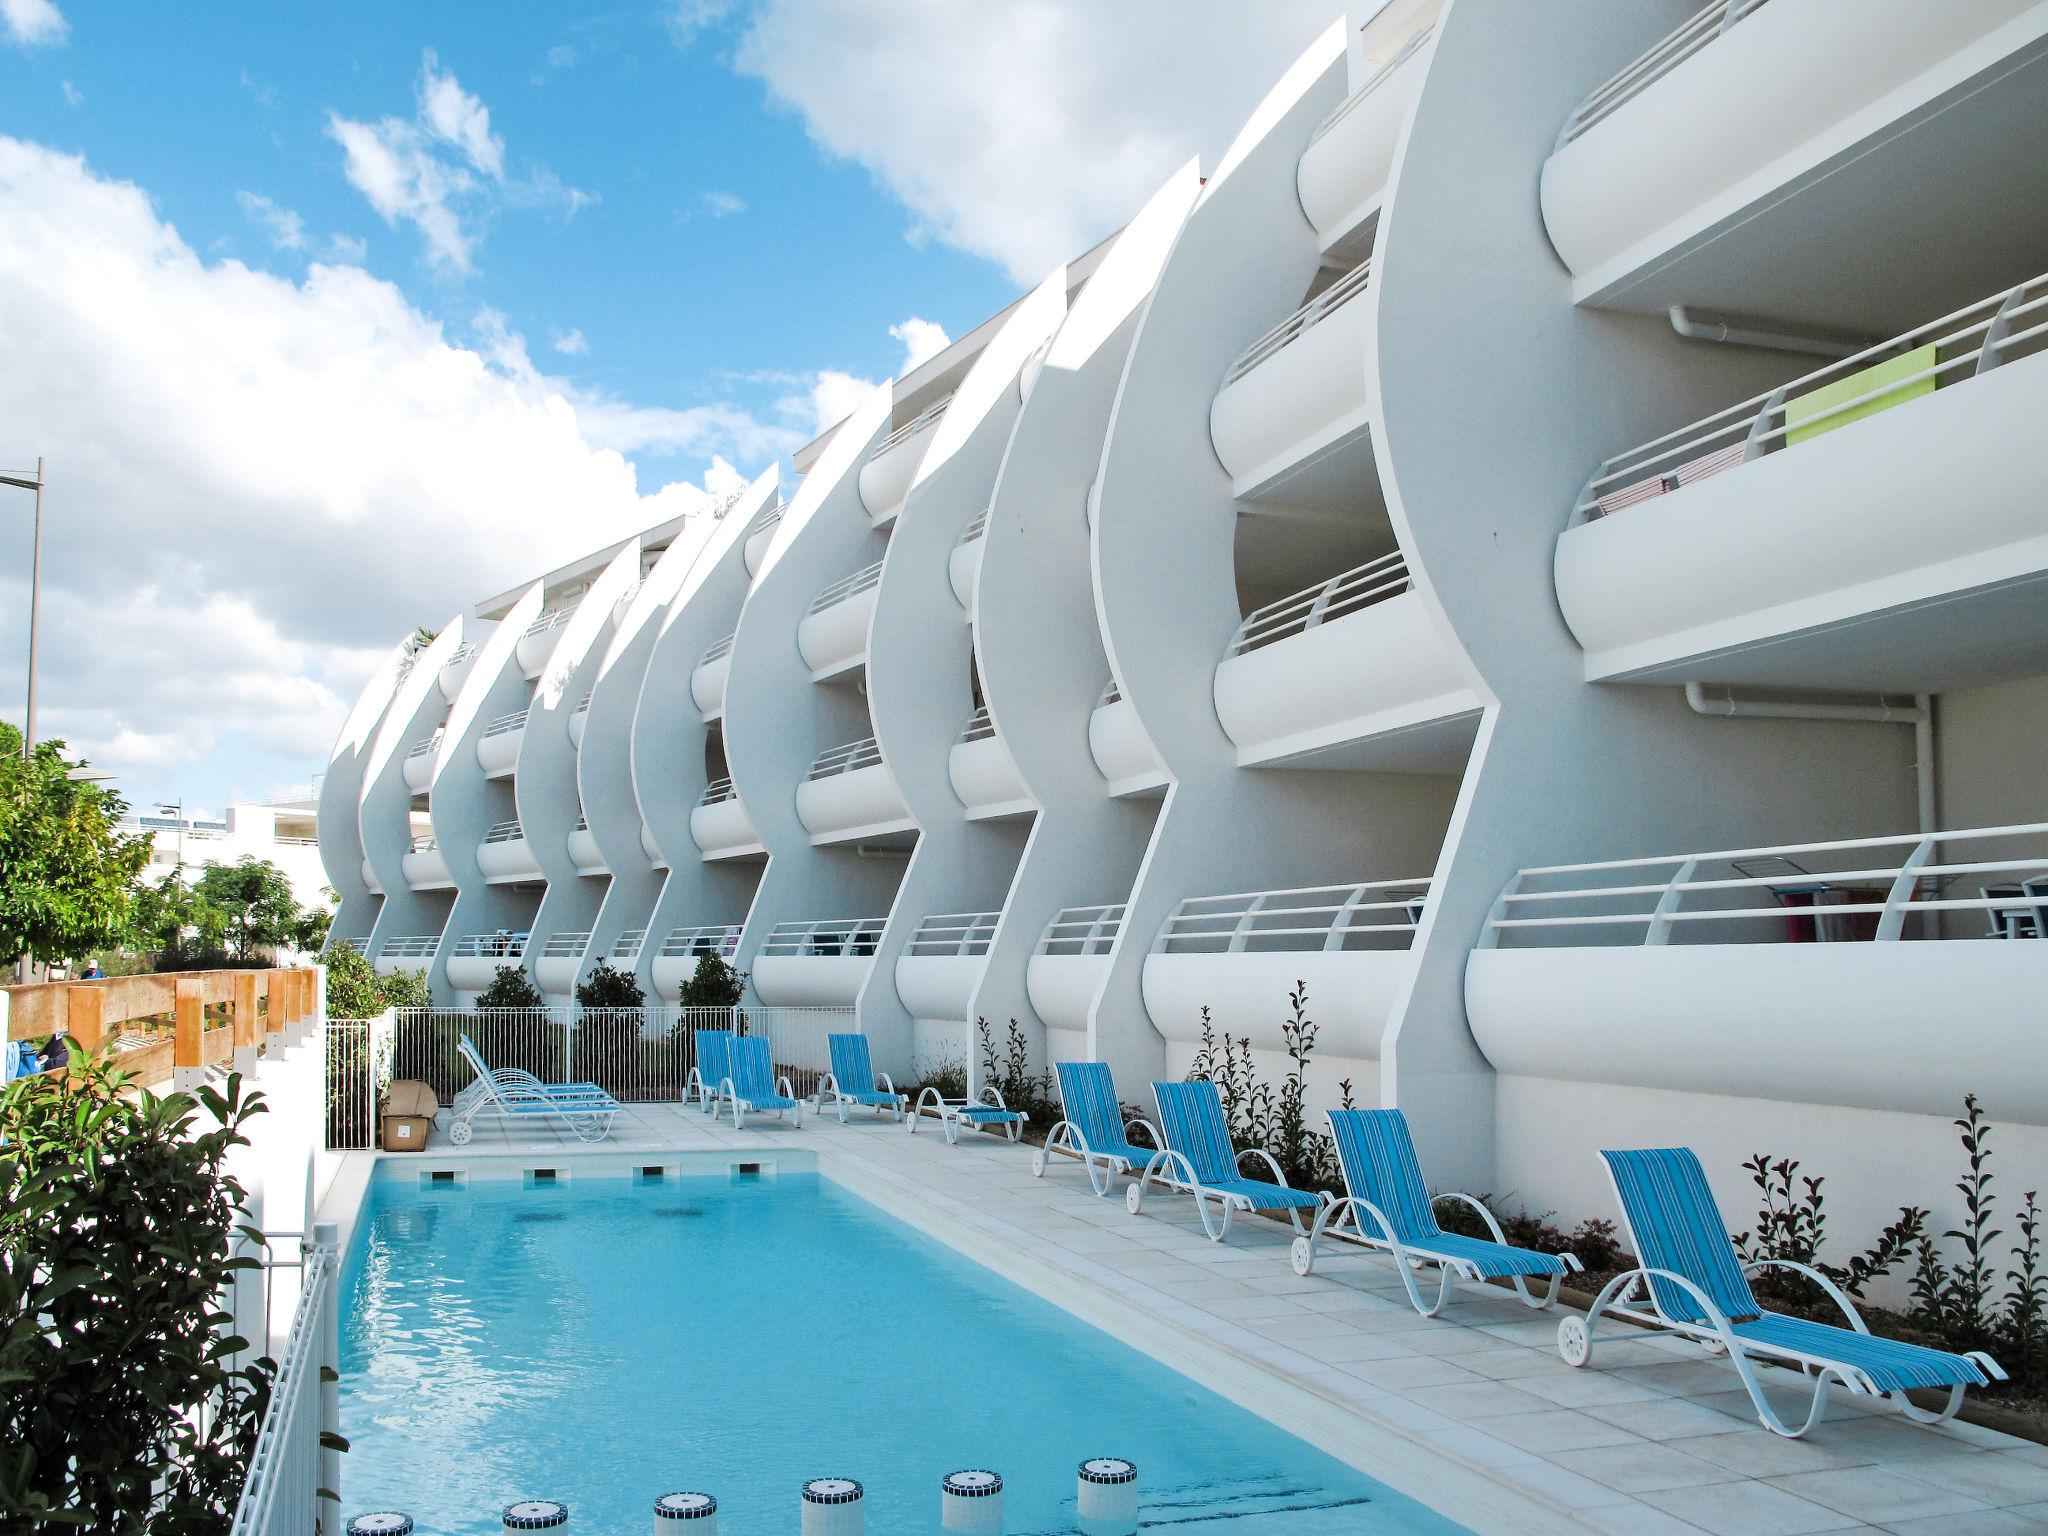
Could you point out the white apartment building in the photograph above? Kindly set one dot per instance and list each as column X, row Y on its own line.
column 1530, row 544
column 282, row 832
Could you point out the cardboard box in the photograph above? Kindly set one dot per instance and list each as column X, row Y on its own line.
column 409, row 1110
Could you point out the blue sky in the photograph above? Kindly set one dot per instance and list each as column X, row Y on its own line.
column 332, row 320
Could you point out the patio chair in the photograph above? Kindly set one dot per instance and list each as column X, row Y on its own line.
column 582, row 1108
column 1693, row 1283
column 852, row 1065
column 1388, row 1207
column 1197, row 1160
column 1094, row 1128
column 750, row 1084
column 980, row 1111
column 713, row 1047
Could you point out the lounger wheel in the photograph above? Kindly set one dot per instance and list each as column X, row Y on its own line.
column 1574, row 1343
column 1302, row 1256
column 1038, row 1164
column 1134, row 1198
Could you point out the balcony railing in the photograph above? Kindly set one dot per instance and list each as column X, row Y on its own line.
column 1403, row 47
column 846, row 936
column 501, row 945
column 462, row 654
column 1375, row 914
column 426, row 747
column 1111, row 693
column 717, row 652
column 410, row 946
column 1942, row 353
column 1859, row 889
column 979, row 727
column 516, row 721
column 1644, row 71
column 768, row 519
column 552, row 619
column 582, row 705
column 928, row 417
column 359, row 945
column 860, row 581
column 1373, row 582
column 1303, row 320
column 721, row 939
column 975, row 529
column 628, row 944
column 717, row 792
column 565, row 946
column 955, row 933
column 427, row 844
column 504, row 832
column 1082, row 930
column 851, row 758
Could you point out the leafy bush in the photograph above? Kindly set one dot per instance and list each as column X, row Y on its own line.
column 944, row 1073
column 1792, row 1225
column 1257, row 1116
column 511, row 987
column 120, row 1407
column 356, row 991
column 1021, row 1088
column 714, row 984
column 609, row 987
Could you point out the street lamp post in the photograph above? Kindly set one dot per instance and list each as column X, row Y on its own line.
column 35, row 595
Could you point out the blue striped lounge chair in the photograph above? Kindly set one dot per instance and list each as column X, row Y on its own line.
column 982, row 1110
column 750, row 1084
column 1693, row 1282
column 713, row 1046
column 584, row 1109
column 1387, row 1206
column 1094, row 1128
column 1198, row 1159
column 854, row 1080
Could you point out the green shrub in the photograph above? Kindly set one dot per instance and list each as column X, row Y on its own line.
column 609, row 987
column 355, row 990
column 511, row 987
column 714, row 984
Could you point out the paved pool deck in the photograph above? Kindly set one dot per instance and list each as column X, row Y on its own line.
column 1472, row 1412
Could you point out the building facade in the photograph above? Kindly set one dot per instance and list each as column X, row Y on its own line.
column 1529, row 547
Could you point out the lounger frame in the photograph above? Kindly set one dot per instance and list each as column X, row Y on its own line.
column 512, row 1094
column 1407, row 1256
column 1172, row 1170
column 699, row 1086
column 784, row 1096
column 953, row 1113
column 1102, row 1166
column 882, row 1100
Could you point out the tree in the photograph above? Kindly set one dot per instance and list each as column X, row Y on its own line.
column 255, row 899
column 66, row 874
column 716, row 984
column 355, row 989
column 511, row 988
column 609, row 987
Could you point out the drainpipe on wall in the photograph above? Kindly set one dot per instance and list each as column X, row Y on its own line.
column 1735, row 331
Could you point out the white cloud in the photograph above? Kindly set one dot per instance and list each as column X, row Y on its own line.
column 686, row 18
column 286, row 229
column 832, row 398
column 258, row 483
column 571, row 343
column 1024, row 131
column 722, row 204
column 347, row 248
column 456, row 117
column 922, row 340
column 33, row 23
column 73, row 96
column 562, row 56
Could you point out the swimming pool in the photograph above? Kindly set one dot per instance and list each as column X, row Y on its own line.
column 607, row 1339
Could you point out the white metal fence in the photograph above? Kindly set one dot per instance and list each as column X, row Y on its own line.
column 1082, row 930
column 1376, row 914
column 293, row 1471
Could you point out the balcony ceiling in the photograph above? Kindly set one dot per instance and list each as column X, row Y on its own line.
column 1437, row 747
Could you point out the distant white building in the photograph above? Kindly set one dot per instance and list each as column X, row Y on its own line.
column 281, row 831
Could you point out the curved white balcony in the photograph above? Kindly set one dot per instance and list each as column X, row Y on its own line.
column 942, row 964
column 676, row 962
column 1121, row 749
column 707, row 682
column 1740, row 102
column 1341, row 662
column 537, row 640
column 851, row 794
column 405, row 952
column 418, row 768
column 626, row 947
column 576, row 718
column 583, row 851
column 963, row 565
column 720, row 825
column 833, row 635
column 497, row 749
column 649, row 847
column 370, row 878
column 820, row 964
column 983, row 773
column 885, row 477
column 1239, row 956
column 477, row 957
column 1343, row 173
column 1889, row 973
column 1072, row 960
column 1810, row 529
column 505, row 856
column 1297, row 389
column 560, row 958
column 455, row 671
column 426, row 867
column 759, row 536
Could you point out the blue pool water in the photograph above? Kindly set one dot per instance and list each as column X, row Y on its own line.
column 613, row 1339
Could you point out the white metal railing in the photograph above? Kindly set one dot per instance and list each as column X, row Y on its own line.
column 847, row 586
column 1374, row 914
column 717, row 792
column 504, row 944
column 290, row 1464
column 718, row 651
column 1082, row 930
column 1373, row 582
column 360, row 945
column 426, row 745
column 927, row 417
column 427, row 844
column 582, row 822
column 504, row 832
column 1424, row 25
column 722, row 939
column 1303, row 320
column 516, row 721
column 1854, row 888
column 462, row 654
column 627, row 945
column 979, row 726
column 832, row 936
column 297, row 842
column 954, row 933
column 409, row 946
column 851, row 758
column 1663, row 56
column 768, row 519
column 1110, row 694
column 565, row 946
column 1970, row 342
column 975, row 529
column 582, row 705
column 554, row 618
